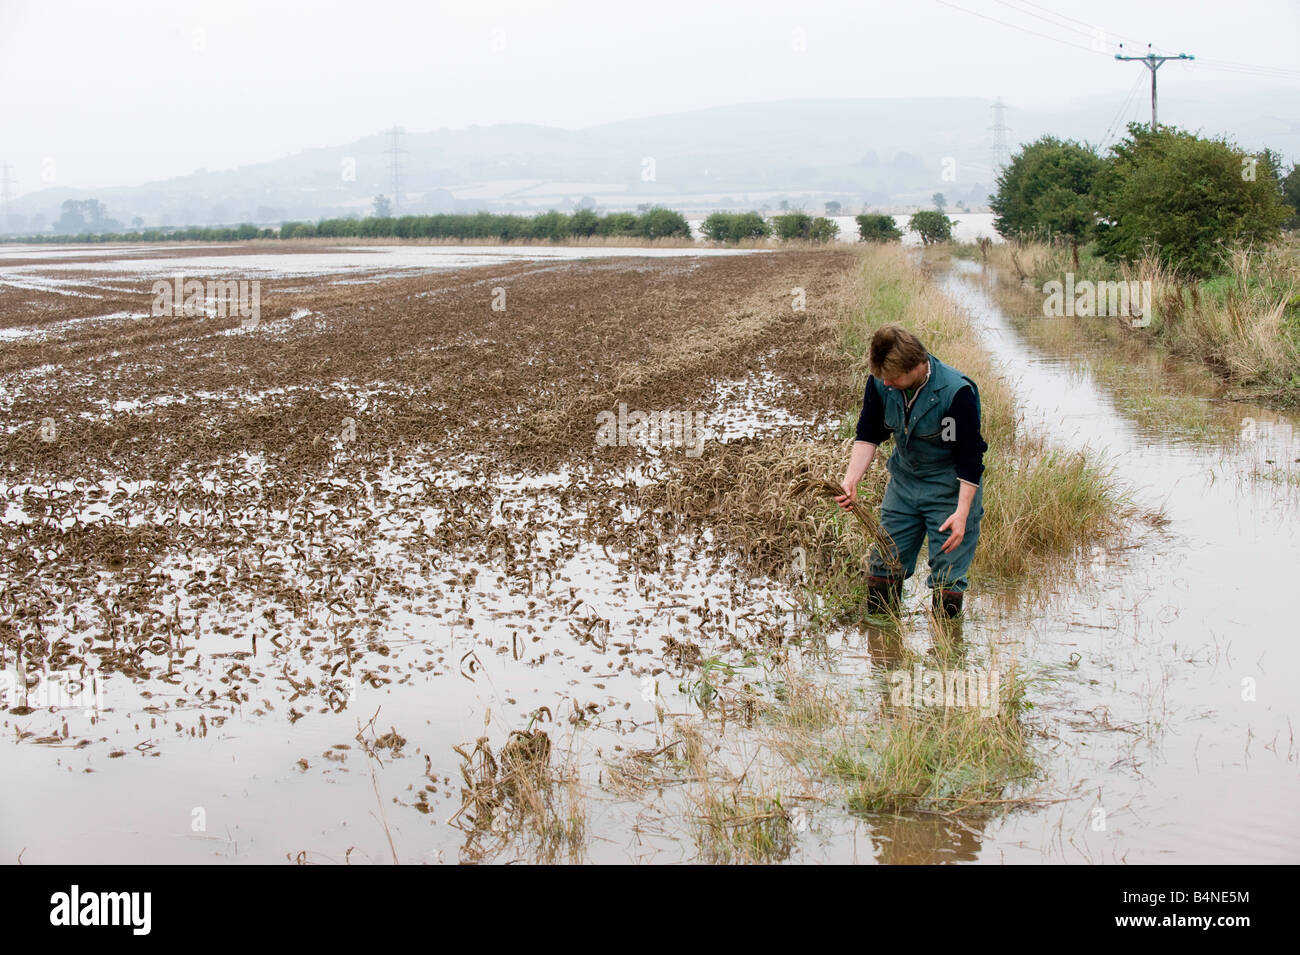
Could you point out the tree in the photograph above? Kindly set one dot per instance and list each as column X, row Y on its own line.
column 1273, row 160
column 79, row 216
column 833, row 208
column 792, row 225
column 1047, row 191
column 551, row 225
column 658, row 222
column 383, row 207
column 584, row 221
column 619, row 223
column 940, row 203
column 932, row 226
column 735, row 227
column 1291, row 196
column 1185, row 198
column 878, row 228
column 823, row 229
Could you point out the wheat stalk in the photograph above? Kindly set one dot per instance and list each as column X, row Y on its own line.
column 875, row 532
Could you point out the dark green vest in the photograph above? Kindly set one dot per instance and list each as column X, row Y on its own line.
column 919, row 450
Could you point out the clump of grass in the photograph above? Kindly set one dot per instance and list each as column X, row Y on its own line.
column 731, row 819
column 1043, row 502
column 744, row 828
column 518, row 797
column 1245, row 323
column 801, row 706
column 950, row 759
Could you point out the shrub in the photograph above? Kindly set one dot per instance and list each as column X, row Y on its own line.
column 1183, row 198
column 792, row 225
column 878, row 228
column 931, row 226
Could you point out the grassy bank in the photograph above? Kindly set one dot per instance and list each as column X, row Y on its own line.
column 1243, row 323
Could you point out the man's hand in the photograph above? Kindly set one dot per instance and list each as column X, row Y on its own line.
column 859, row 461
column 850, row 495
column 957, row 521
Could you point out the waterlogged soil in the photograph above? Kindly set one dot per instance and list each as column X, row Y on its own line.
column 258, row 583
column 265, row 590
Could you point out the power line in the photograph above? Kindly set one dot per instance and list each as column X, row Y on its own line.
column 1064, row 16
column 1037, row 33
column 1225, row 65
column 1115, row 124
column 1091, row 32
column 1082, row 27
column 1273, row 72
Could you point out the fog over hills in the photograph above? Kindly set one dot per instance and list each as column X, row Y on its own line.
column 887, row 154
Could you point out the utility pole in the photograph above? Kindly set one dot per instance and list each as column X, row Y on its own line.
column 1153, row 63
column 395, row 152
column 1001, row 154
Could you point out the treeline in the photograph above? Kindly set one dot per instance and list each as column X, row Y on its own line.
column 1167, row 192
column 655, row 223
column 739, row 226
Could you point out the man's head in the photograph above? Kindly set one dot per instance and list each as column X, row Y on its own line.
column 897, row 357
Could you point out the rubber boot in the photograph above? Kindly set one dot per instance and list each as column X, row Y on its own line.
column 884, row 596
column 946, row 627
column 947, row 603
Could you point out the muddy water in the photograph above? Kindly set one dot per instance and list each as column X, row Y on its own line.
column 1188, row 644
column 40, row 269
column 1137, row 680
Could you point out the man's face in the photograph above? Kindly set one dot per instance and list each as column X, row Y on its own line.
column 908, row 380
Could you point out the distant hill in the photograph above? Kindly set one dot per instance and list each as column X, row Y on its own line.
column 880, row 153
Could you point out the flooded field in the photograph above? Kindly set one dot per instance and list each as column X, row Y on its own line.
column 379, row 577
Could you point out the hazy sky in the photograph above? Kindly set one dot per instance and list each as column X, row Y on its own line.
column 99, row 93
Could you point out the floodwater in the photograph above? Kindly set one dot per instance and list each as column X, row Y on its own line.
column 371, row 262
column 967, row 227
column 1188, row 642
column 1165, row 683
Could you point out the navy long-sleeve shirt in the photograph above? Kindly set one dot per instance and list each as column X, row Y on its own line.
column 968, row 444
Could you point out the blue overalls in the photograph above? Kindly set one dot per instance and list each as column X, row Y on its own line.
column 923, row 486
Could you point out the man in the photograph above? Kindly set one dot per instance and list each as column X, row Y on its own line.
column 932, row 412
